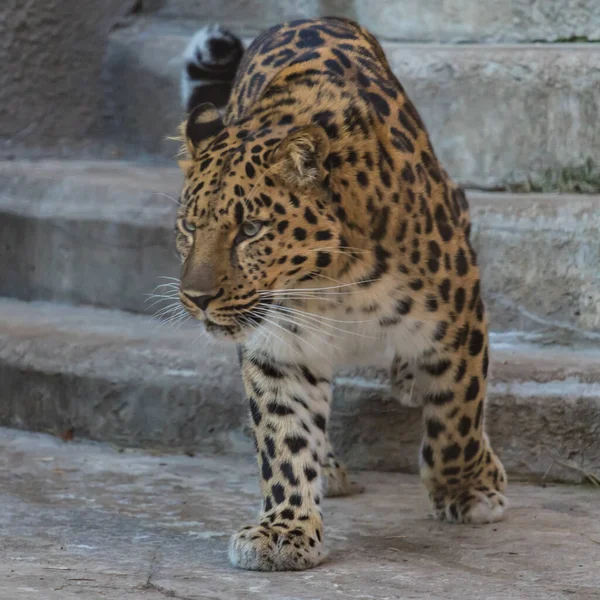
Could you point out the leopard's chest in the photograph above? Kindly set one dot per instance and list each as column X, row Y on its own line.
column 343, row 326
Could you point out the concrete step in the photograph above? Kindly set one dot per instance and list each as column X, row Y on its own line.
column 80, row 521
column 409, row 20
column 86, row 232
column 117, row 377
column 101, row 233
column 495, row 113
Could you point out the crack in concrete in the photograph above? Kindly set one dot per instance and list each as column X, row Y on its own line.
column 507, row 303
column 149, row 585
column 164, row 591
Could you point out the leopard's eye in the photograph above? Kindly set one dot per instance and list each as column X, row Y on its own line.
column 250, row 228
column 187, row 226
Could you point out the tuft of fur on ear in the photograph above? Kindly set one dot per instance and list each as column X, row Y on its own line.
column 303, row 153
column 203, row 124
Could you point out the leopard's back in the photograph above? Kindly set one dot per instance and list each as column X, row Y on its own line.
column 301, row 42
column 334, row 73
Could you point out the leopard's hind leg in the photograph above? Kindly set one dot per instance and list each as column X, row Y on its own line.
column 462, row 473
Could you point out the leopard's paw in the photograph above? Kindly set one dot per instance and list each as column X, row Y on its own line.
column 277, row 548
column 474, row 506
column 336, row 482
column 472, row 493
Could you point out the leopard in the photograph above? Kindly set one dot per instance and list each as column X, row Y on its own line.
column 317, row 229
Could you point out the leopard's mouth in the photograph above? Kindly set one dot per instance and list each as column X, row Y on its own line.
column 235, row 324
column 219, row 330
column 236, row 331
column 250, row 316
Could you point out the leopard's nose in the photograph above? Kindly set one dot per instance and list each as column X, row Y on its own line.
column 198, row 284
column 201, row 300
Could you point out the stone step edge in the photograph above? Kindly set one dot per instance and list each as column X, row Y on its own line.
column 156, row 187
column 126, row 210
column 112, row 378
column 174, row 26
column 452, row 86
column 477, row 21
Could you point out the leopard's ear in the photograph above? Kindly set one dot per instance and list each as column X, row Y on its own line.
column 203, row 124
column 302, row 156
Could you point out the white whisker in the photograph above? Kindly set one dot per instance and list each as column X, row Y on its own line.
column 314, row 321
column 169, row 286
column 307, row 326
column 161, row 296
column 320, row 289
column 313, row 295
column 159, row 301
column 166, row 310
column 203, row 333
column 303, row 341
column 321, row 317
column 168, row 197
column 299, row 297
column 175, row 318
column 285, row 342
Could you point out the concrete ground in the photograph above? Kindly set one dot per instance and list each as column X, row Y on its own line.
column 83, row 520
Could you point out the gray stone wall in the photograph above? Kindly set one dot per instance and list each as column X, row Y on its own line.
column 410, row 20
column 51, row 52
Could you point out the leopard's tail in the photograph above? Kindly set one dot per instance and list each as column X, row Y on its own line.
column 210, row 62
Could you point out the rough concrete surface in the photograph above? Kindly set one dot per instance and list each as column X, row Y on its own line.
column 249, row 15
column 481, row 20
column 115, row 376
column 410, row 20
column 101, row 233
column 495, row 112
column 539, row 255
column 79, row 520
column 51, row 53
column 98, row 233
column 499, row 113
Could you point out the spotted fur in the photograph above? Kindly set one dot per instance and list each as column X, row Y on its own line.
column 317, row 228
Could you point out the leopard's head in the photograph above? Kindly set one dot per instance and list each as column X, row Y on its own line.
column 256, row 216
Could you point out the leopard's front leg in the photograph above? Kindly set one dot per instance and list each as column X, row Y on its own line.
column 289, row 405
